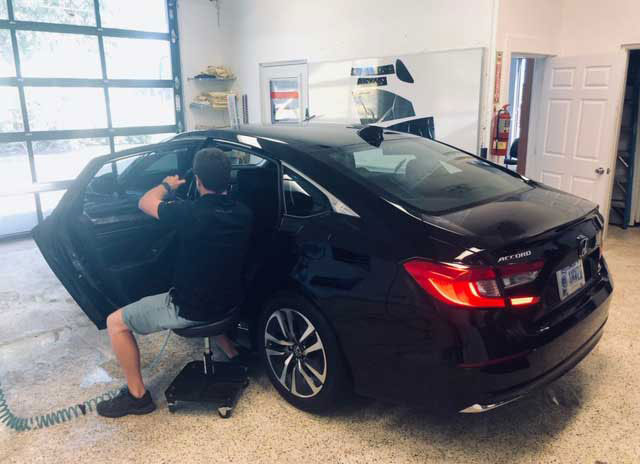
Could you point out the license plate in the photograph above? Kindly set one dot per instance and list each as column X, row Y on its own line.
column 570, row 279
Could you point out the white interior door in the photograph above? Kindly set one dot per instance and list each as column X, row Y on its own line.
column 284, row 92
column 576, row 135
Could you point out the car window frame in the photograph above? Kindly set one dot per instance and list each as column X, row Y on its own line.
column 325, row 212
column 212, row 142
column 100, row 162
column 335, row 204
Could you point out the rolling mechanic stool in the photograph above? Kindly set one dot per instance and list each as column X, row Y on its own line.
column 207, row 381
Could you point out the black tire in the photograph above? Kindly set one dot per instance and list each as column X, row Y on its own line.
column 333, row 385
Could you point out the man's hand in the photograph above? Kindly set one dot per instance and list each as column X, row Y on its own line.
column 151, row 200
column 174, row 182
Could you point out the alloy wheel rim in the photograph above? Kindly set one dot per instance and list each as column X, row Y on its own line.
column 295, row 353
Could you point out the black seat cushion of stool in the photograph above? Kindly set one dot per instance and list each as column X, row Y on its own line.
column 209, row 329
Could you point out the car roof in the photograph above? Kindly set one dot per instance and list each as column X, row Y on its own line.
column 308, row 136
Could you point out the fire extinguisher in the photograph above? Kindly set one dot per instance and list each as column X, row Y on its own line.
column 502, row 127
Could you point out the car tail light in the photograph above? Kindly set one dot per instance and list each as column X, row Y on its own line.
column 518, row 274
column 472, row 286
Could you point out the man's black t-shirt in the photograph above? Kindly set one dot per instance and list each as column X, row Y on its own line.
column 214, row 235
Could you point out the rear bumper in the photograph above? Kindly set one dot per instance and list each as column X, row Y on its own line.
column 548, row 356
column 494, row 399
column 450, row 364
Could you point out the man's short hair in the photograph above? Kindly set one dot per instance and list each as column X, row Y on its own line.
column 213, row 168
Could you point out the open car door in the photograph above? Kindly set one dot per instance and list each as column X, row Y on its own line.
column 105, row 251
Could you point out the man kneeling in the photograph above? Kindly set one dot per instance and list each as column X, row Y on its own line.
column 214, row 234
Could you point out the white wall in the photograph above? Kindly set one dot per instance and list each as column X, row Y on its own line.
column 278, row 30
column 202, row 43
column 565, row 28
column 526, row 27
column 593, row 27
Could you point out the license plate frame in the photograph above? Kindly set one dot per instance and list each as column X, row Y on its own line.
column 570, row 279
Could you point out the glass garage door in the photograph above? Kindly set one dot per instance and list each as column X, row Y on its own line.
column 79, row 79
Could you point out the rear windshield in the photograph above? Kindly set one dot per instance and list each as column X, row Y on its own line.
column 429, row 176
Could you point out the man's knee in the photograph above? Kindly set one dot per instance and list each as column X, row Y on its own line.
column 115, row 322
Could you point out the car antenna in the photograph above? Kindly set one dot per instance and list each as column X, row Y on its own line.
column 372, row 135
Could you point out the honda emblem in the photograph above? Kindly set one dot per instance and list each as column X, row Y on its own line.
column 583, row 245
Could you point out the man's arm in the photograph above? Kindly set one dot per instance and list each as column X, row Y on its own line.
column 151, row 200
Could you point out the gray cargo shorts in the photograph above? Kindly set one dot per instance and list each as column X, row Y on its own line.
column 153, row 314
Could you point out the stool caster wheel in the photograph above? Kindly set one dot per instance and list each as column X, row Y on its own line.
column 172, row 407
column 225, row 412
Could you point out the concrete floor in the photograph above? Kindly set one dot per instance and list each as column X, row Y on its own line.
column 51, row 357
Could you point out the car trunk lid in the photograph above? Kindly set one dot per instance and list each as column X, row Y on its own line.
column 512, row 218
column 541, row 225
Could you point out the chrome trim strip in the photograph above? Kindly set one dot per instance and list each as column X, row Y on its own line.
column 337, row 205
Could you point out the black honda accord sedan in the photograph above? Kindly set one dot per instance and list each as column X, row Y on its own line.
column 383, row 263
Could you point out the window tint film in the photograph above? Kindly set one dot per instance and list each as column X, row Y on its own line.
column 428, row 176
column 301, row 198
column 375, row 105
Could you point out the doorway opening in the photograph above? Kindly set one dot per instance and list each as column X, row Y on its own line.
column 520, row 89
column 625, row 194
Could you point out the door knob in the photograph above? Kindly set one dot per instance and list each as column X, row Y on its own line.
column 600, row 171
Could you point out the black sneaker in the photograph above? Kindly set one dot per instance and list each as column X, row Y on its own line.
column 125, row 403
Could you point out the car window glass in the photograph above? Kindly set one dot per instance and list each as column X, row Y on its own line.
column 431, row 177
column 301, row 197
column 374, row 160
column 123, row 181
column 245, row 161
column 242, row 158
column 165, row 163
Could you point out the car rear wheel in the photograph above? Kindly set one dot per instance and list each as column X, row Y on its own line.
column 301, row 354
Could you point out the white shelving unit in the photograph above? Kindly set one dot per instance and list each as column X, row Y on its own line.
column 212, row 80
column 203, row 114
column 205, row 106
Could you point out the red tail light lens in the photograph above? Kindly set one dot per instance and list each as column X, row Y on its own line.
column 470, row 287
column 473, row 287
